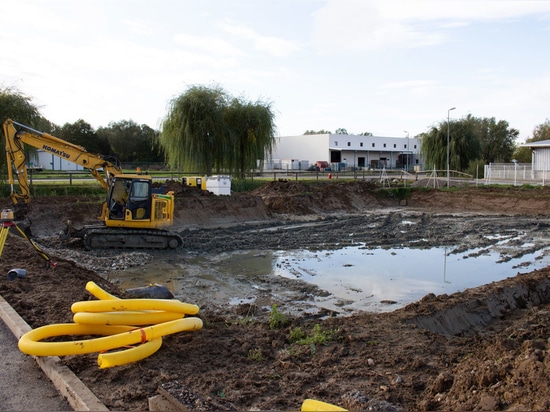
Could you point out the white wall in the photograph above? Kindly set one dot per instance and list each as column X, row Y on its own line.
column 52, row 162
column 371, row 148
column 306, row 147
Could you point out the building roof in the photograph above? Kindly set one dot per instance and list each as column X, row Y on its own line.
column 539, row 144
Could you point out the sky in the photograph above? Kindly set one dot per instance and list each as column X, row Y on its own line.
column 388, row 67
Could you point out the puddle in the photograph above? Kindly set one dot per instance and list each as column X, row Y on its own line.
column 386, row 279
column 345, row 280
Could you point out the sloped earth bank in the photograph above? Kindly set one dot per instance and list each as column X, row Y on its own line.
column 486, row 348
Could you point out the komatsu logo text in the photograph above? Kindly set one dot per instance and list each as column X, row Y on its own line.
column 59, row 153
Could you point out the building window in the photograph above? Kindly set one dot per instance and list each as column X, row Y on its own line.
column 394, row 146
column 349, row 144
column 404, row 146
column 414, row 146
column 384, row 144
column 373, row 145
column 336, row 143
column 361, row 144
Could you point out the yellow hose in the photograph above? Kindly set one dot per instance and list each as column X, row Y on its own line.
column 99, row 293
column 169, row 305
column 115, row 320
column 118, row 336
column 137, row 353
column 126, row 318
column 314, row 405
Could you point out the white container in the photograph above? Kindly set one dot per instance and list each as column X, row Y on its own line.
column 219, row 185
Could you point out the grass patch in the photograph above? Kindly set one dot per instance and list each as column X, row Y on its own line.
column 277, row 319
column 246, row 185
column 256, row 355
column 317, row 336
column 397, row 193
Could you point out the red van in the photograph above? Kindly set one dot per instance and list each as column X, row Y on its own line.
column 323, row 165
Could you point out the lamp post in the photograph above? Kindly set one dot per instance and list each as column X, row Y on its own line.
column 406, row 158
column 448, row 133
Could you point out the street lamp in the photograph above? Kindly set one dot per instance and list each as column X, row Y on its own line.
column 448, row 133
column 406, row 158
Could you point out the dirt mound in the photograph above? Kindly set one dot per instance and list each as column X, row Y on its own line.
column 295, row 197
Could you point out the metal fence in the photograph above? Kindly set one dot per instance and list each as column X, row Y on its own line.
column 514, row 173
column 494, row 173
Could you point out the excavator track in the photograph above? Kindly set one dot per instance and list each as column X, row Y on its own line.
column 120, row 238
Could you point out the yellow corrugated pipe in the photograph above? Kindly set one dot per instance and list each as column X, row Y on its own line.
column 115, row 320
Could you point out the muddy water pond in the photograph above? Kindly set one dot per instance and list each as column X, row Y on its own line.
column 342, row 281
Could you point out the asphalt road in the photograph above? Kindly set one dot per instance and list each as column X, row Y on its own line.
column 23, row 384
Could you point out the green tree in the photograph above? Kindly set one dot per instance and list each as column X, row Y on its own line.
column 251, row 130
column 132, row 142
column 207, row 130
column 82, row 134
column 192, row 134
column 497, row 140
column 464, row 145
column 540, row 132
column 470, row 139
column 341, row 130
column 322, row 131
column 18, row 107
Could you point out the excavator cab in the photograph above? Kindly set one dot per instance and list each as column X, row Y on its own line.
column 130, row 195
column 133, row 202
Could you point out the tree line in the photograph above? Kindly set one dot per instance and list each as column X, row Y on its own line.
column 206, row 130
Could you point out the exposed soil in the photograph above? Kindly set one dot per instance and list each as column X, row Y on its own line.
column 486, row 348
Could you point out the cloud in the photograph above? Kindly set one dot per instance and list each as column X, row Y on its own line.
column 138, row 26
column 209, row 44
column 375, row 24
column 272, row 45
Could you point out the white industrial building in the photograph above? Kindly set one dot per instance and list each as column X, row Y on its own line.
column 45, row 160
column 540, row 159
column 345, row 151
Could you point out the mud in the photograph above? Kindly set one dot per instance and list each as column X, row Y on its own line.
column 486, row 348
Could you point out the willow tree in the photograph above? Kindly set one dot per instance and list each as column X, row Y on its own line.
column 252, row 132
column 20, row 108
column 17, row 106
column 206, row 130
column 193, row 135
column 463, row 144
column 433, row 145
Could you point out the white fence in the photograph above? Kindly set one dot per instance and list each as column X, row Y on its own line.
column 516, row 173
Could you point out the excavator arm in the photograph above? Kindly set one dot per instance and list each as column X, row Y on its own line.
column 102, row 169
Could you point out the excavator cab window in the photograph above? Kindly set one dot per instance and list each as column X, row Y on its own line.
column 119, row 198
column 130, row 194
column 139, row 200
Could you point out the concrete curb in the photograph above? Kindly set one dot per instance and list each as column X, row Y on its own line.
column 67, row 383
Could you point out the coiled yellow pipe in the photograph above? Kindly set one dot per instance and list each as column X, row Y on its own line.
column 118, row 336
column 126, row 318
column 115, row 320
column 120, row 305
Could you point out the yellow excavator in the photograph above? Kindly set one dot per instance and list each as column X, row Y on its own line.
column 135, row 214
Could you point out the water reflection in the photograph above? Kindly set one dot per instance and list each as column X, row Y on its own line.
column 355, row 278
column 369, row 279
